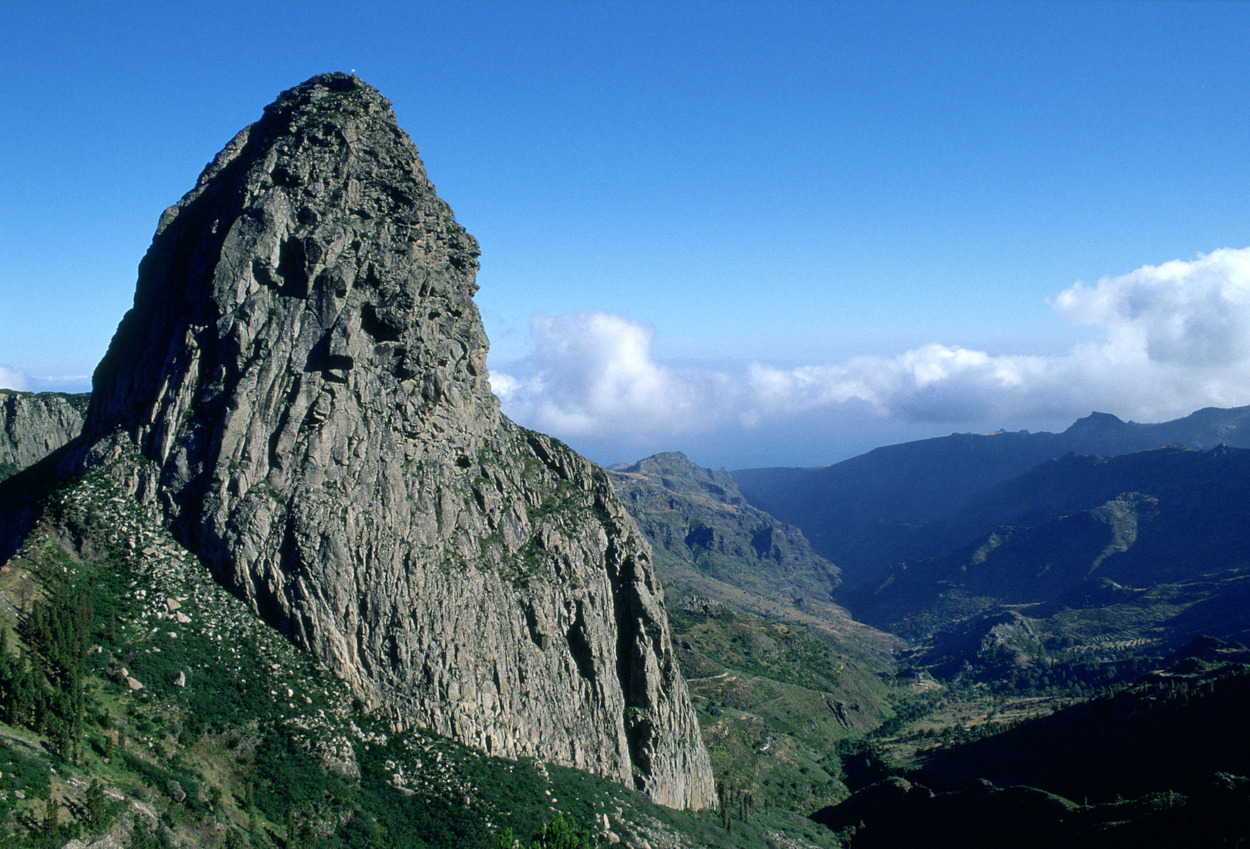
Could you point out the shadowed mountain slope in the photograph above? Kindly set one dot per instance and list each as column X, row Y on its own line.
column 1094, row 532
column 1161, row 763
column 697, row 519
column 872, row 510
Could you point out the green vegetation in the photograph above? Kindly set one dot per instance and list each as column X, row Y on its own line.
column 42, row 690
column 1158, row 763
column 774, row 699
column 136, row 694
column 754, row 645
column 168, row 711
column 777, row 673
column 560, row 833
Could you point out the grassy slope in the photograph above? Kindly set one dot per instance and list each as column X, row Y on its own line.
column 268, row 748
column 778, row 673
column 774, row 699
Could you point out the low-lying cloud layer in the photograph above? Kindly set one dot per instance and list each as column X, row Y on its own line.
column 1176, row 338
column 10, row 379
column 20, row 381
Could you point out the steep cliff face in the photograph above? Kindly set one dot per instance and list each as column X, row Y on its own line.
column 306, row 368
column 33, row 425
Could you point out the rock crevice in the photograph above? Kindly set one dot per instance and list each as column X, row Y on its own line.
column 305, row 366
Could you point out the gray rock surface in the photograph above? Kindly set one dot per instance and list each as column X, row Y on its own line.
column 305, row 367
column 34, row 425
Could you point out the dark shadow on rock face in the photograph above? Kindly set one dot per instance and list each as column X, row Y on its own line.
column 303, row 375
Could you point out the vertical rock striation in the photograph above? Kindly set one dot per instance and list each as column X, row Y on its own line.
column 305, row 367
column 34, row 425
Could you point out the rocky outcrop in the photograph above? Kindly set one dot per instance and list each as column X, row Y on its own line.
column 34, row 425
column 698, row 519
column 305, row 368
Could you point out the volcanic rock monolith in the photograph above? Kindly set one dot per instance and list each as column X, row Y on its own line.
column 304, row 369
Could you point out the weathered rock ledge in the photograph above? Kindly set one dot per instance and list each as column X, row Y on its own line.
column 305, row 367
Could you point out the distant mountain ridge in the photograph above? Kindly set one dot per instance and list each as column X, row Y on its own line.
column 868, row 511
column 700, row 516
column 1037, row 557
column 1160, row 533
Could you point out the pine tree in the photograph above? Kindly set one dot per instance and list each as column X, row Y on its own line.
column 56, row 630
column 51, row 817
column 96, row 804
column 562, row 833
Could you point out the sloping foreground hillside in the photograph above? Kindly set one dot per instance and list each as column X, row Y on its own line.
column 141, row 700
column 1163, row 763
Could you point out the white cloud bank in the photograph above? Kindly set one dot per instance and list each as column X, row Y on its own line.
column 15, row 380
column 20, row 381
column 1177, row 338
column 594, row 373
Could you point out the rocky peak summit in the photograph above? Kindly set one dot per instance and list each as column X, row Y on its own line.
column 313, row 243
column 304, row 368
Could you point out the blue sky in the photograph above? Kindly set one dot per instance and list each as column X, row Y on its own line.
column 760, row 233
